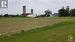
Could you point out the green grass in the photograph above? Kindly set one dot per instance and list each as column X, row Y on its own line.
column 57, row 32
column 14, row 24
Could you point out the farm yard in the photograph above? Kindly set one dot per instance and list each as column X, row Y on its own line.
column 47, row 29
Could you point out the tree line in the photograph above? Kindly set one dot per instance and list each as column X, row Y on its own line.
column 63, row 12
column 7, row 15
column 66, row 12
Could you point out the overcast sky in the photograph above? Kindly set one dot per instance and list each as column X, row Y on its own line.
column 15, row 6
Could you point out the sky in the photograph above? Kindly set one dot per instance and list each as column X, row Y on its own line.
column 39, row 6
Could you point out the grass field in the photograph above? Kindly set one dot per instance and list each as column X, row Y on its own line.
column 48, row 29
column 11, row 25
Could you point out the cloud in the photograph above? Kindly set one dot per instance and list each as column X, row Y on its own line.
column 15, row 6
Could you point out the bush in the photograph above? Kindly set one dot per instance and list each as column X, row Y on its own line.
column 1, row 15
column 6, row 15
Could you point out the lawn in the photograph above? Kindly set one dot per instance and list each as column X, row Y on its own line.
column 48, row 29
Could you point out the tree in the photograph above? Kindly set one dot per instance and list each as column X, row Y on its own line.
column 72, row 12
column 6, row 15
column 17, row 15
column 47, row 12
column 63, row 12
column 68, row 11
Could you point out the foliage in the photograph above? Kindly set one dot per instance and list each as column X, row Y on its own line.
column 72, row 12
column 68, row 11
column 6, row 15
column 47, row 13
column 64, row 12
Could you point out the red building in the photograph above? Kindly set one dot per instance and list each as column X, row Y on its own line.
column 24, row 11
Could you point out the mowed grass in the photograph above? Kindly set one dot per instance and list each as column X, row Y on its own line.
column 55, row 30
column 11, row 25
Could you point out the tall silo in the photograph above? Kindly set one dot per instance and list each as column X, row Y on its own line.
column 24, row 9
column 32, row 11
